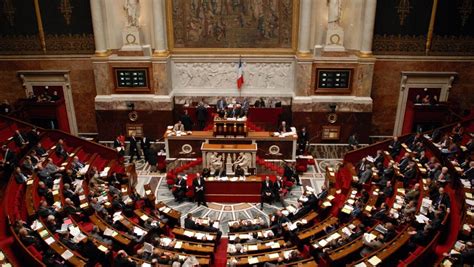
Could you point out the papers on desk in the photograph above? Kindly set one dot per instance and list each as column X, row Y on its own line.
column 334, row 236
column 374, row 261
column 347, row 209
column 232, row 237
column 346, row 231
column 165, row 241
column 252, row 248
column 351, row 201
column 291, row 209
column 369, row 237
column 188, row 233
column 199, row 236
column 273, row 256
column 49, row 240
column 144, row 217
column 368, row 208
column 425, row 205
column 109, row 232
column 330, row 197
column 253, row 260
column 327, row 204
column 43, row 233
column 397, row 206
column 103, row 248
column 420, row 218
column 470, row 202
column 285, row 212
column 322, row 243
column 146, row 264
column 287, row 254
column 67, row 255
column 138, row 231
column 36, row 225
column 178, row 245
column 362, row 264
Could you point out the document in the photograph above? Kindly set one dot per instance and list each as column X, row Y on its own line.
column 67, row 255
column 253, row 260
column 374, row 261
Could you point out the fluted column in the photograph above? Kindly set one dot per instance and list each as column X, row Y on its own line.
column 369, row 23
column 305, row 28
column 98, row 27
column 159, row 27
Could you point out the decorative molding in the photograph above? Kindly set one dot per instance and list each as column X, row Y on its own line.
column 142, row 102
column 57, row 44
column 321, row 103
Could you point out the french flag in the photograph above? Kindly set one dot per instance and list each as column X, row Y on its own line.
column 240, row 77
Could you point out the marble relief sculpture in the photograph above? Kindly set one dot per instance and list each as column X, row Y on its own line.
column 334, row 13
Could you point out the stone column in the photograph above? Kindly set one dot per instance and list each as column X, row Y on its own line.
column 98, row 26
column 305, row 27
column 369, row 22
column 159, row 27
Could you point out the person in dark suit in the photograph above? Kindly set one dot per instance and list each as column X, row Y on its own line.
column 9, row 159
column 469, row 173
column 353, row 142
column 409, row 174
column 279, row 190
column 221, row 105
column 404, row 162
column 267, row 192
column 442, row 198
column 133, row 150
column 394, row 147
column 33, row 137
column 283, row 128
column 290, row 173
column 20, row 139
column 146, row 146
column 20, row 178
column 119, row 145
column 189, row 223
column 187, row 121
column 199, row 190
column 60, row 151
column 303, row 140
column 366, row 175
column 179, row 189
column 234, row 112
column 201, row 115
column 379, row 158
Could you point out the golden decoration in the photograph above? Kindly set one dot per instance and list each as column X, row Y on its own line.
column 465, row 10
column 9, row 12
column 39, row 21
column 403, row 10
column 65, row 8
column 431, row 27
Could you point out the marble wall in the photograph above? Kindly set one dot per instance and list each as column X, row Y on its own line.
column 386, row 87
column 81, row 76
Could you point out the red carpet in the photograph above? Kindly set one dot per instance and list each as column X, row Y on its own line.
column 220, row 257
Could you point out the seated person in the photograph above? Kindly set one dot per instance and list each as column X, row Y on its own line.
column 372, row 245
column 60, row 151
column 394, row 147
column 179, row 189
column 178, row 127
column 283, row 128
column 20, row 139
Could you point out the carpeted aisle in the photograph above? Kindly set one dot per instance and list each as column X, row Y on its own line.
column 220, row 257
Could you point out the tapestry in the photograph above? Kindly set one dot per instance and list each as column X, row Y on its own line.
column 232, row 23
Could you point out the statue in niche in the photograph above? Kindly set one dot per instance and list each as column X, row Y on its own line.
column 334, row 13
column 132, row 7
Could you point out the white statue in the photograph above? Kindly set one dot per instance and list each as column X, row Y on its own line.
column 132, row 7
column 334, row 14
column 243, row 161
column 216, row 162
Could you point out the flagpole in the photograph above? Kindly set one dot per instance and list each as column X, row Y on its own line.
column 240, row 90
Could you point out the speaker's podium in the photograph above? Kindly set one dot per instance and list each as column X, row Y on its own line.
column 230, row 126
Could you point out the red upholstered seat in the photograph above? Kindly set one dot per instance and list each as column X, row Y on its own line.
column 35, row 252
column 302, row 168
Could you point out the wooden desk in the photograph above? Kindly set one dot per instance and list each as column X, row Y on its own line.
column 194, row 235
column 264, row 140
column 169, row 212
column 59, row 248
column 247, row 190
column 230, row 127
column 102, row 225
column 317, row 229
